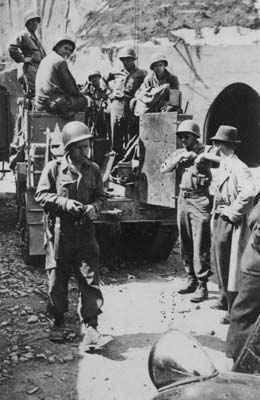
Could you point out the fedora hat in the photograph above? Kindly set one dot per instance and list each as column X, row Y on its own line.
column 226, row 133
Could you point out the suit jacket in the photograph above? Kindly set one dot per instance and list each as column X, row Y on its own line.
column 236, row 188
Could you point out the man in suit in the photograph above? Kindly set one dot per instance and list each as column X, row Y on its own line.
column 235, row 191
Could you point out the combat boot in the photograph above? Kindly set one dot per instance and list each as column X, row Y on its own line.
column 93, row 339
column 57, row 333
column 201, row 293
column 189, row 286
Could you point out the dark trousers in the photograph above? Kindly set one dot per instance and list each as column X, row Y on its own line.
column 123, row 127
column 194, row 230
column 244, row 313
column 78, row 255
column 221, row 251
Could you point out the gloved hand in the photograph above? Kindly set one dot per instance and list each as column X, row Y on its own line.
column 74, row 207
column 90, row 211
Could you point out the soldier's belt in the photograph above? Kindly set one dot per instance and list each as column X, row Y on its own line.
column 192, row 194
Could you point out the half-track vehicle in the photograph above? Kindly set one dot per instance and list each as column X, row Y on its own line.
column 139, row 220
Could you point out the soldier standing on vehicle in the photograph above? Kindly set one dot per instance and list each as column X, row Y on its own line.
column 28, row 50
column 154, row 93
column 97, row 118
column 235, row 191
column 124, row 82
column 194, row 207
column 56, row 89
column 71, row 192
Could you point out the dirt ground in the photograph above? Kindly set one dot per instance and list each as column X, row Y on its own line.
column 140, row 303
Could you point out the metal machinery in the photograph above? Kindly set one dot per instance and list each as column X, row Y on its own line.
column 5, row 124
column 180, row 369
column 139, row 221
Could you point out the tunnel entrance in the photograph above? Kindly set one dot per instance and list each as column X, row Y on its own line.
column 237, row 105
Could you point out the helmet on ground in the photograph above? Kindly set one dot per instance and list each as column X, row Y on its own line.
column 189, row 126
column 31, row 15
column 94, row 73
column 73, row 132
column 127, row 52
column 63, row 38
column 157, row 58
column 178, row 358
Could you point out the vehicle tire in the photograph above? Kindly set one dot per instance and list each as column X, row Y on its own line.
column 152, row 241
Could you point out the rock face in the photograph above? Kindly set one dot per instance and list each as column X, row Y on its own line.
column 97, row 22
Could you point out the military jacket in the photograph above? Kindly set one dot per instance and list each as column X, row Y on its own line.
column 125, row 84
column 60, row 181
column 26, row 47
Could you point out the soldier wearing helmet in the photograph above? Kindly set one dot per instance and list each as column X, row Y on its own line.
column 56, row 89
column 97, row 94
column 124, row 83
column 154, row 93
column 27, row 49
column 194, row 207
column 71, row 192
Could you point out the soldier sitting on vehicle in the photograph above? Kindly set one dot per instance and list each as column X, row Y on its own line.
column 56, row 89
column 97, row 117
column 154, row 94
column 28, row 50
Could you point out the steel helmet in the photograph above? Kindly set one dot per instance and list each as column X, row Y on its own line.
column 64, row 38
column 157, row 58
column 94, row 73
column 31, row 15
column 126, row 52
column 189, row 126
column 178, row 358
column 73, row 132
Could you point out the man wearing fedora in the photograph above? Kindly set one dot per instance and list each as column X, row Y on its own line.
column 235, row 191
column 194, row 207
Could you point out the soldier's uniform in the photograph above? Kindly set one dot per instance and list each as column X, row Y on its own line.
column 125, row 84
column 193, row 212
column 27, row 49
column 71, row 246
column 56, row 89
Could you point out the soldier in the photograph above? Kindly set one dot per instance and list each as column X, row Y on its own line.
column 71, row 192
column 56, row 89
column 96, row 117
column 125, row 83
column 235, row 191
column 154, row 93
column 27, row 49
column 194, row 207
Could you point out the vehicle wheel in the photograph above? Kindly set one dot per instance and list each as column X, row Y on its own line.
column 152, row 241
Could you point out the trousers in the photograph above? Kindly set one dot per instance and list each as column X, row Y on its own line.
column 78, row 255
column 244, row 313
column 194, row 229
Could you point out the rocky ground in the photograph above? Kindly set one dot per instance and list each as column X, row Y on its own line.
column 140, row 303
